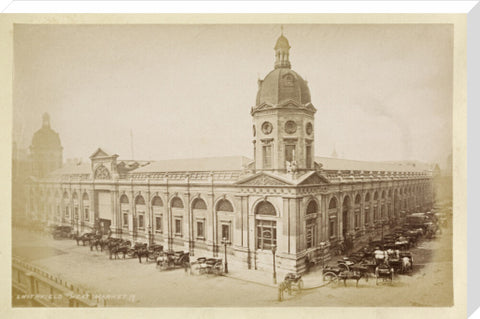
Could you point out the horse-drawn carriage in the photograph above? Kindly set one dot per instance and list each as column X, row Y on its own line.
column 346, row 269
column 118, row 246
column 173, row 259
column 204, row 265
column 62, row 232
column 384, row 272
column 154, row 251
column 290, row 283
column 403, row 263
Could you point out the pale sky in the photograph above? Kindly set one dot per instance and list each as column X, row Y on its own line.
column 382, row 92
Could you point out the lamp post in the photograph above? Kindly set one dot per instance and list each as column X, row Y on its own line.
column 383, row 223
column 150, row 236
column 274, row 248
column 224, row 241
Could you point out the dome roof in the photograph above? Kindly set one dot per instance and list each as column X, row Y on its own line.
column 283, row 84
column 46, row 138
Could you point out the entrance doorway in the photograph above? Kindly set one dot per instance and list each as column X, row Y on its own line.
column 105, row 225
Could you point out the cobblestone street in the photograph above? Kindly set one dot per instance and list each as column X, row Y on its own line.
column 429, row 285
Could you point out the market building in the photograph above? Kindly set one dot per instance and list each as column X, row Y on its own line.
column 284, row 199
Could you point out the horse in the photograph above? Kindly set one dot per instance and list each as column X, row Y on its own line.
column 119, row 249
column 95, row 242
column 142, row 251
column 406, row 264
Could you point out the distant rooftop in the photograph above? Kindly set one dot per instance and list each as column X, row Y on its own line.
column 338, row 164
column 229, row 163
column 72, row 169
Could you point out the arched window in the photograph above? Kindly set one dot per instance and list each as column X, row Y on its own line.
column 75, row 205
column 265, row 208
column 139, row 200
column 66, row 204
column 310, row 224
column 157, row 201
column 266, row 229
column 383, row 194
column 367, row 209
column 199, row 216
column 178, row 220
column 125, row 209
column 333, row 203
column 224, row 206
column 312, row 207
column 177, row 203
column 102, row 173
column 140, row 211
column 86, row 207
column 199, row 204
column 357, row 199
column 157, row 205
column 124, row 199
column 375, row 195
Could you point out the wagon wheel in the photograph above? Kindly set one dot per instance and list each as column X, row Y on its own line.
column 164, row 265
column 131, row 252
column 152, row 257
column 300, row 285
column 330, row 277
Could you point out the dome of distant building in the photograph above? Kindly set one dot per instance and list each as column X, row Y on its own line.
column 46, row 149
column 282, row 84
column 46, row 137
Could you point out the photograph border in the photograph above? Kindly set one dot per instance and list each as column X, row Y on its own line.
column 459, row 119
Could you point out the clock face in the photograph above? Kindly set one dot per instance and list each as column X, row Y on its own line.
column 267, row 128
column 309, row 128
column 290, row 127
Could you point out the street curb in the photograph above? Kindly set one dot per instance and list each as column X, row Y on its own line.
column 271, row 285
column 250, row 281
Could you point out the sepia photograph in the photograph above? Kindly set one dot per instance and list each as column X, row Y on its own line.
column 232, row 165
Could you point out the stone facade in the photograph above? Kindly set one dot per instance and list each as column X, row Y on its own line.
column 284, row 199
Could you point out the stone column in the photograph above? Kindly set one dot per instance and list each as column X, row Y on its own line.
column 325, row 218
column 362, row 212
column 168, row 211
column 149, row 215
column 340, row 217
column 189, row 245
column 92, row 209
column 238, row 221
column 117, row 214
column 133, row 225
column 251, row 235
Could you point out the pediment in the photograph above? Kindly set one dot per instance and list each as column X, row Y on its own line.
column 99, row 153
column 262, row 179
column 314, row 179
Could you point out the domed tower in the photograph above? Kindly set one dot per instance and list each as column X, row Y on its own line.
column 46, row 149
column 283, row 118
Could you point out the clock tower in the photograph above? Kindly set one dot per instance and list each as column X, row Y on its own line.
column 283, row 118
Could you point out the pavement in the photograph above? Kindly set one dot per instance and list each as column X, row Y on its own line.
column 93, row 271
